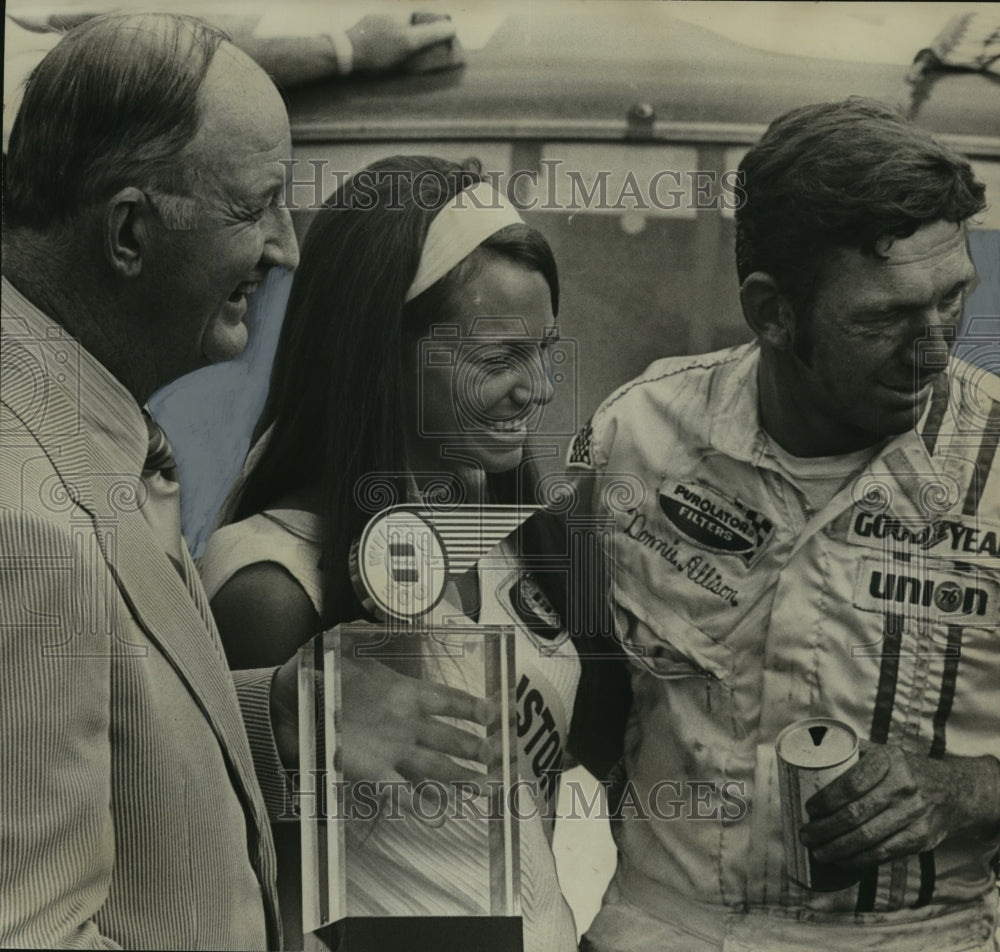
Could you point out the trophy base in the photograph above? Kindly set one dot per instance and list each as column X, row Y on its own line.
column 419, row 934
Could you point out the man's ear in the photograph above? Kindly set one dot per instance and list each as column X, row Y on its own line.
column 126, row 226
column 767, row 311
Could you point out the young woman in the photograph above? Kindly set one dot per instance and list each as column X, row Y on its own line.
column 414, row 352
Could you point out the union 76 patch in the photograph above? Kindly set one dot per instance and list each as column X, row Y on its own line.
column 931, row 589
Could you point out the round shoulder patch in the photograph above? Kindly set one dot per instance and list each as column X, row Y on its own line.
column 401, row 564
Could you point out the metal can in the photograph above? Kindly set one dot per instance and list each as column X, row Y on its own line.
column 811, row 753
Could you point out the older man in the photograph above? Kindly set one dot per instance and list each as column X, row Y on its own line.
column 142, row 208
column 813, row 531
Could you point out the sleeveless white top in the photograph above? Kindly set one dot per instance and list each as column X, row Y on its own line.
column 407, row 866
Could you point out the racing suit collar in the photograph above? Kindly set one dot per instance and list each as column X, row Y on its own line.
column 918, row 476
column 735, row 429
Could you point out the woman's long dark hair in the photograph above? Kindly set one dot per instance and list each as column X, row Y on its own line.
column 336, row 399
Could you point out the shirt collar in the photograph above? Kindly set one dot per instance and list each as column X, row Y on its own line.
column 735, row 428
column 99, row 408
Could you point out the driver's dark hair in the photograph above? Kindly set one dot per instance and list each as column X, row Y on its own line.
column 846, row 175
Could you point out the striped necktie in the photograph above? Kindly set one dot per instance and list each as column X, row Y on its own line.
column 162, row 505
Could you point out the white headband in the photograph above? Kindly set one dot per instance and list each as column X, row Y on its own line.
column 458, row 229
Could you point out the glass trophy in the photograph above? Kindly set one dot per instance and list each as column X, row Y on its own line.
column 394, row 864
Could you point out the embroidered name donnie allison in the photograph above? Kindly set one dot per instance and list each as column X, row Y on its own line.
column 697, row 569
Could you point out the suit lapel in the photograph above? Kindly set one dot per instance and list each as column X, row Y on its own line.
column 84, row 423
column 176, row 618
column 91, row 431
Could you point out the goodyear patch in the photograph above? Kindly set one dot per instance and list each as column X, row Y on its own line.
column 713, row 521
column 968, row 538
column 930, row 592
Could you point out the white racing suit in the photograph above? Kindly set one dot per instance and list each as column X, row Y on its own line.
column 742, row 611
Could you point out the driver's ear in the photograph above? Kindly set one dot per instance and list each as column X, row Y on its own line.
column 767, row 311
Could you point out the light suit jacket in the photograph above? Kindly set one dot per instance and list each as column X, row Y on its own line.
column 130, row 814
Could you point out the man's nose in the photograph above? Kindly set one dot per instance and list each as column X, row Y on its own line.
column 534, row 382
column 281, row 249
